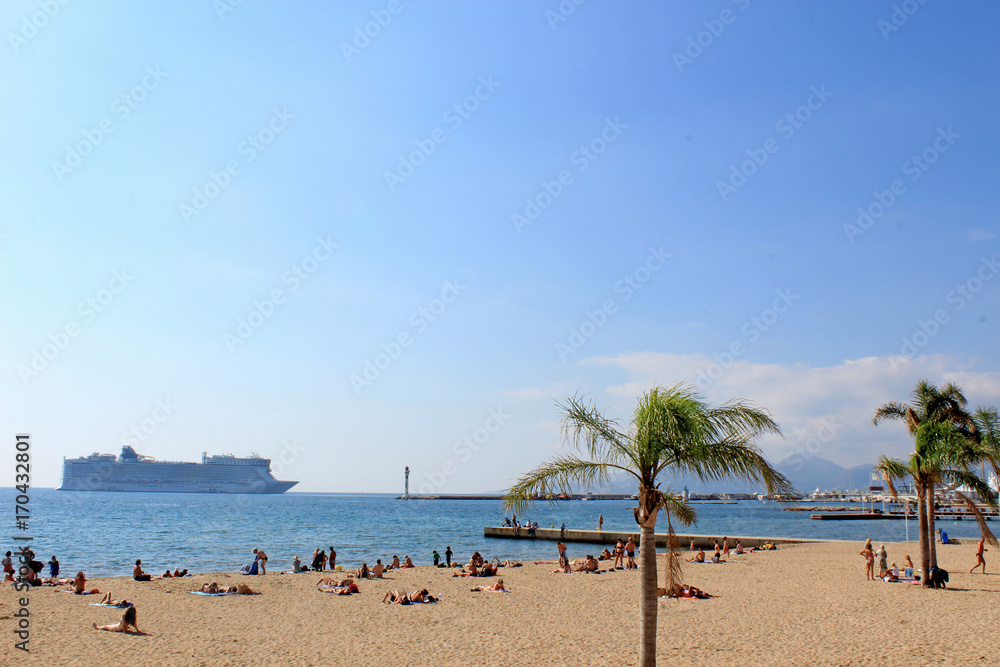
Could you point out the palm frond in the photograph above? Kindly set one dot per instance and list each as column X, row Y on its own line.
column 562, row 473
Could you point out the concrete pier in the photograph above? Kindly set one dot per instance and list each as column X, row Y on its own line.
column 609, row 537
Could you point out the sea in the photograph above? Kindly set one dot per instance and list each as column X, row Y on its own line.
column 103, row 533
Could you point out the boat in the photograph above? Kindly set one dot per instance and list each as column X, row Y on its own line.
column 133, row 472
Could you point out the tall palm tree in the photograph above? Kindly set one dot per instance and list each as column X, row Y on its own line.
column 930, row 404
column 986, row 423
column 672, row 429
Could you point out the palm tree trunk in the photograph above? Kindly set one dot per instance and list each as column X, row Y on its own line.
column 925, row 555
column 930, row 524
column 647, row 596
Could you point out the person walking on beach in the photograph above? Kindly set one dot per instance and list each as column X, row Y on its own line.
column 600, row 522
column 54, row 567
column 262, row 557
column 333, row 559
column 447, row 556
column 979, row 556
column 869, row 557
column 630, row 555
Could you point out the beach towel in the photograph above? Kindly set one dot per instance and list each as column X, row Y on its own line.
column 91, row 592
column 249, row 568
column 116, row 606
column 204, row 593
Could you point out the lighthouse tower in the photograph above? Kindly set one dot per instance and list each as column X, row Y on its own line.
column 406, row 486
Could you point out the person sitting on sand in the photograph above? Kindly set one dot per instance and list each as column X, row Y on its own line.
column 564, row 568
column 128, row 619
column 739, row 547
column 395, row 563
column 123, row 603
column 892, row 574
column 379, row 569
column 469, row 570
column 495, row 587
column 698, row 557
column 907, row 563
column 407, row 562
column 137, row 572
column 363, row 572
column 79, row 584
column 296, row 565
column 589, row 565
column 478, row 559
column 717, row 557
column 166, row 575
column 605, row 555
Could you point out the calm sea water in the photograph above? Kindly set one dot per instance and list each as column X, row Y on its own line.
column 103, row 533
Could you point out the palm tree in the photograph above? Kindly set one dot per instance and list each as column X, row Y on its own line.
column 671, row 429
column 946, row 456
column 930, row 404
column 986, row 423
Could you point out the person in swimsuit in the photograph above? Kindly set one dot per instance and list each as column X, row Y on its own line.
column 495, row 587
column 137, row 572
column 869, row 557
column 262, row 557
column 378, row 570
column 698, row 557
column 979, row 556
column 128, row 619
column 630, row 555
column 620, row 554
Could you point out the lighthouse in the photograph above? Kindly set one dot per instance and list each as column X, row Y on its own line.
column 406, row 483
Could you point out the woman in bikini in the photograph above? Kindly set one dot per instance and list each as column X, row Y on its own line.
column 128, row 619
column 495, row 587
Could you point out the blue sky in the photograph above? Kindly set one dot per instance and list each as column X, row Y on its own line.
column 697, row 169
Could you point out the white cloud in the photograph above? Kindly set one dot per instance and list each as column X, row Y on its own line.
column 808, row 401
column 981, row 235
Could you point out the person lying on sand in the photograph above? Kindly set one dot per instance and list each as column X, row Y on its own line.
column 123, row 603
column 128, row 619
column 563, row 568
column 511, row 563
column 396, row 597
column 180, row 573
column 489, row 570
column 698, row 557
column 495, row 587
column 212, row 588
column 685, row 591
column 331, row 582
column 240, row 589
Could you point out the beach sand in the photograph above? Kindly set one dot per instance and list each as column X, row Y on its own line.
column 804, row 604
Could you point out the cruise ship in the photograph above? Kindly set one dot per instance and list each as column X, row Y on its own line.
column 134, row 472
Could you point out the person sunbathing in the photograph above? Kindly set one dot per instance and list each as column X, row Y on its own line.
column 495, row 587
column 378, row 570
column 684, row 591
column 331, row 582
column 892, row 574
column 698, row 557
column 469, row 570
column 588, row 565
column 407, row 562
column 211, row 588
column 717, row 557
column 123, row 603
column 128, row 619
column 241, row 589
column 396, row 597
column 563, row 568
column 605, row 555
column 363, row 572
column 79, row 585
column 166, row 575
column 180, row 573
column 395, row 563
column 739, row 547
column 511, row 563
column 488, row 570
column 137, row 572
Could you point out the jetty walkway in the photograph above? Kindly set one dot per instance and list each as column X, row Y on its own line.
column 609, row 537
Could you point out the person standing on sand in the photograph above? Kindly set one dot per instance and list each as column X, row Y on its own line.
column 262, row 557
column 883, row 558
column 630, row 555
column 725, row 547
column 333, row 559
column 447, row 556
column 869, row 556
column 600, row 522
column 979, row 556
column 562, row 552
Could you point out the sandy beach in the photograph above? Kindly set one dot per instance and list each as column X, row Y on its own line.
column 803, row 604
